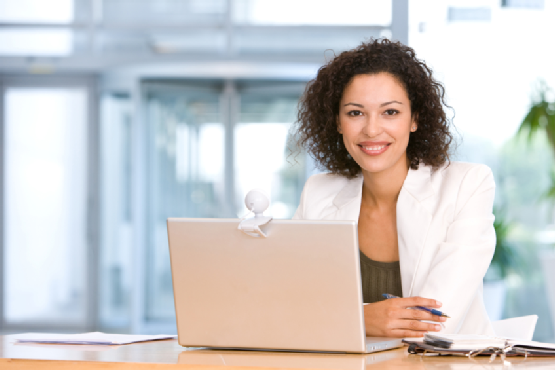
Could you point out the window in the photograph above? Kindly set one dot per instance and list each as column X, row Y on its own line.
column 46, row 194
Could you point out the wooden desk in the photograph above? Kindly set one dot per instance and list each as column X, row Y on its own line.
column 168, row 354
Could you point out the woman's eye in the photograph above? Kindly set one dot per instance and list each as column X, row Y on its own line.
column 391, row 112
column 354, row 113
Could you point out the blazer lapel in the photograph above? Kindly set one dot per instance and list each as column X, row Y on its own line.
column 347, row 201
column 414, row 217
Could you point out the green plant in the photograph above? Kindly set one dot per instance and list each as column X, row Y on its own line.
column 541, row 118
column 505, row 259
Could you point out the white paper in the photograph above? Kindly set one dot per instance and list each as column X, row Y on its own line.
column 532, row 344
column 520, row 328
column 94, row 338
column 465, row 341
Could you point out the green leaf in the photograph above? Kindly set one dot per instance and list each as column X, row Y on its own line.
column 505, row 258
column 531, row 122
column 550, row 193
column 539, row 113
column 550, row 128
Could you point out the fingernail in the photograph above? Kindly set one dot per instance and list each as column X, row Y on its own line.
column 438, row 328
column 438, row 303
column 441, row 318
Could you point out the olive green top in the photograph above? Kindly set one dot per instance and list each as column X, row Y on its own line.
column 379, row 278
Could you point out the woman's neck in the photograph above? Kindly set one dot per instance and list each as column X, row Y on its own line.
column 381, row 189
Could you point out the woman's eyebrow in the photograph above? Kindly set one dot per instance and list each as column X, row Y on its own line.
column 390, row 102
column 355, row 104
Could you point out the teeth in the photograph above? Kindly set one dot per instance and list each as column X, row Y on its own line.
column 374, row 147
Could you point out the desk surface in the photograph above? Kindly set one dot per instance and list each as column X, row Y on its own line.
column 168, row 354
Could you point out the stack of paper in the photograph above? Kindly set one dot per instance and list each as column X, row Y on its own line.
column 463, row 344
column 461, row 341
column 95, row 338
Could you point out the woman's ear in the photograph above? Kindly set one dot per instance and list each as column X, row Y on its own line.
column 338, row 125
column 413, row 124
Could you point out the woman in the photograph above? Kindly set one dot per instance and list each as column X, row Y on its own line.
column 373, row 117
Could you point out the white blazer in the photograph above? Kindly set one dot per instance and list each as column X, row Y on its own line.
column 445, row 232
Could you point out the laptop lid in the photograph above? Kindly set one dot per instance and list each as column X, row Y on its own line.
column 297, row 289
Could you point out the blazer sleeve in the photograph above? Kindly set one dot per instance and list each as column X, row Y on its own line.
column 457, row 270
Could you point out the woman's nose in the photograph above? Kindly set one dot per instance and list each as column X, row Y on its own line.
column 372, row 126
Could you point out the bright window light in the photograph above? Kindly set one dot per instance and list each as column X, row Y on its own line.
column 36, row 42
column 39, row 11
column 313, row 12
column 45, row 194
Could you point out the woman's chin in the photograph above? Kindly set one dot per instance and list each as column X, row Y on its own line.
column 378, row 165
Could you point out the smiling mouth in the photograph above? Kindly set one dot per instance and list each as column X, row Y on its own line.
column 374, row 149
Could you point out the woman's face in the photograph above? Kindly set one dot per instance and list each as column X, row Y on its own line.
column 375, row 120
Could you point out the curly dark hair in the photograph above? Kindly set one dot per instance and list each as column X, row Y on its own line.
column 319, row 106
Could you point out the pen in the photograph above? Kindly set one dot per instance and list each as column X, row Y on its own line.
column 430, row 310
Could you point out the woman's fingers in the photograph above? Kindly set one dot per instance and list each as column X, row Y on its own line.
column 414, row 325
column 418, row 301
column 419, row 325
column 421, row 315
column 408, row 309
column 401, row 312
column 400, row 333
column 410, row 328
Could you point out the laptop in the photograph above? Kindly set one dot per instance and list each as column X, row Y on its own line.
column 298, row 289
column 286, row 360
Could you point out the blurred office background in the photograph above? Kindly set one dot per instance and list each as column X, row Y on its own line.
column 116, row 114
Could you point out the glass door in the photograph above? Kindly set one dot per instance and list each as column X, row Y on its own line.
column 45, row 197
column 185, row 149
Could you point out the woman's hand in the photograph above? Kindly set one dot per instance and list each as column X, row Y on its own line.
column 392, row 318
